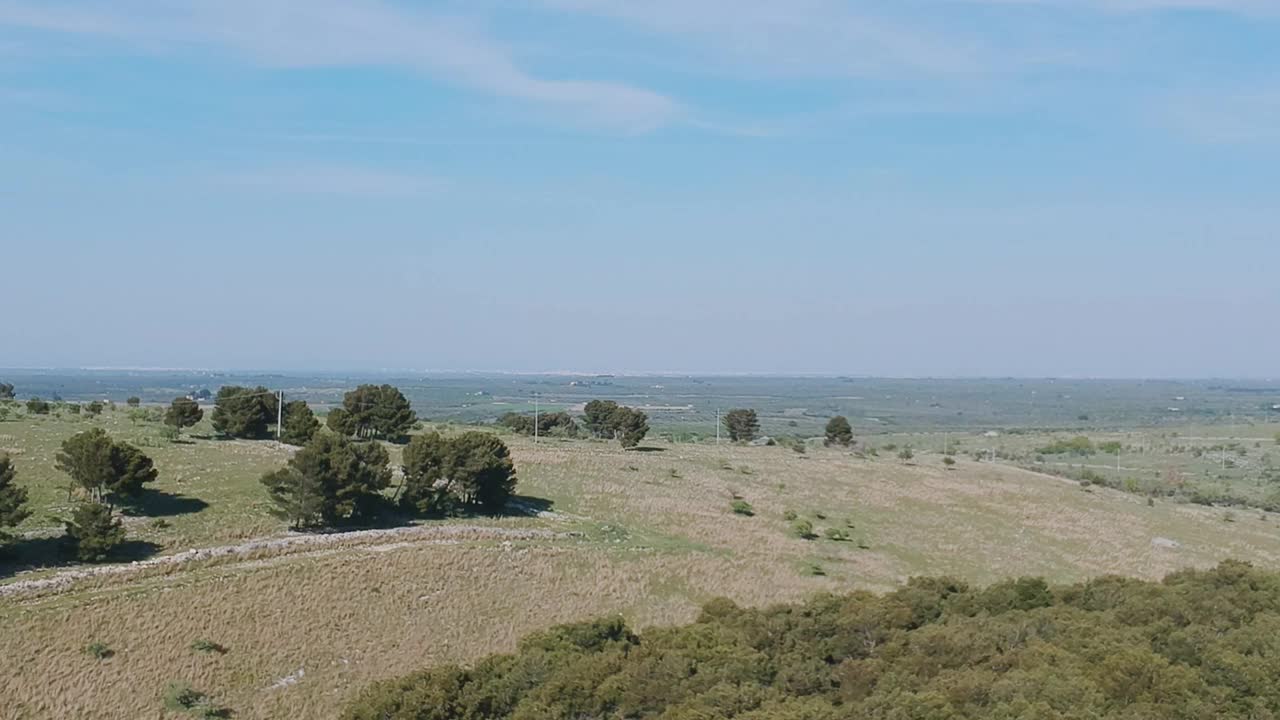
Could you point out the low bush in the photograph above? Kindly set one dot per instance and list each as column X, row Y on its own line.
column 803, row 529
column 1200, row 644
column 98, row 650
column 836, row 534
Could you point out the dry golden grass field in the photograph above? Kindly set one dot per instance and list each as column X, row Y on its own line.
column 649, row 535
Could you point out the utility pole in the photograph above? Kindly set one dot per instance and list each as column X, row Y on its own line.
column 535, row 418
column 717, row 426
column 279, row 412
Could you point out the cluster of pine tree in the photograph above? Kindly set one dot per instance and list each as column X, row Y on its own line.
column 608, row 419
column 1201, row 644
column 334, row 480
column 554, row 424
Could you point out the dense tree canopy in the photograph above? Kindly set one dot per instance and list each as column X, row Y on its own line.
column 94, row 532
column 1200, row 645
column 597, row 415
column 742, row 424
column 373, row 411
column 629, row 426
column 558, row 424
column 839, row 431
column 330, row 480
column 449, row 474
column 183, row 412
column 36, row 406
column 106, row 469
column 608, row 419
column 300, row 423
column 241, row 412
column 296, row 498
column 13, row 499
column 6, row 391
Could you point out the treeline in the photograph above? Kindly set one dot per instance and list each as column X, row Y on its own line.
column 335, row 480
column 1200, row 644
column 368, row 412
column 105, row 472
column 604, row 419
column 554, row 424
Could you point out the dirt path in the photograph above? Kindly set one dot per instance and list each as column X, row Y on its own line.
column 287, row 544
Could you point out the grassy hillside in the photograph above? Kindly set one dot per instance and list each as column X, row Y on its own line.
column 650, row 535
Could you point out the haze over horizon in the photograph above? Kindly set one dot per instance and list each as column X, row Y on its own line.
column 920, row 188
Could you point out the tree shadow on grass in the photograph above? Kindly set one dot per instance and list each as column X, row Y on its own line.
column 526, row 506
column 647, row 449
column 158, row 503
column 41, row 553
column 517, row 506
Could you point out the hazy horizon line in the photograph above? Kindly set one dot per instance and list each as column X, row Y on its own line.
column 624, row 373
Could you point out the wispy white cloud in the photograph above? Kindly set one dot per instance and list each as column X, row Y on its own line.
column 902, row 45
column 323, row 33
column 879, row 38
column 829, row 37
column 336, row 180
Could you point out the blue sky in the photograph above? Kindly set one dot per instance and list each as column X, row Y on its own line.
column 889, row 187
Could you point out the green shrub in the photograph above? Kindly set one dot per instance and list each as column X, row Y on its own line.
column 181, row 697
column 1110, row 648
column 1092, row 477
column 98, row 650
column 207, row 646
column 94, row 532
column 1110, row 447
column 803, row 529
column 1079, row 445
column 836, row 534
column 789, row 515
column 742, row 507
